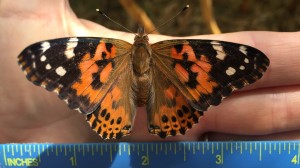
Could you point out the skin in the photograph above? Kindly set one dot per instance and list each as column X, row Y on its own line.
column 268, row 109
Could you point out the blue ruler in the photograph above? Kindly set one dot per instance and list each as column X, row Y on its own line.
column 283, row 154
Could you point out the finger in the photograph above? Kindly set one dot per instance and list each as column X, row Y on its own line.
column 264, row 111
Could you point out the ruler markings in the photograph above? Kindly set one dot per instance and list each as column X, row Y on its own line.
column 110, row 152
column 184, row 152
column 260, row 151
column 39, row 151
column 283, row 152
column 74, row 152
column 65, row 149
column 166, row 149
column 129, row 152
column 4, row 156
column 175, row 148
column 194, row 148
column 12, row 150
column 241, row 148
column 298, row 153
column 93, row 149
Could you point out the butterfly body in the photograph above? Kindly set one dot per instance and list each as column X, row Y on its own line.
column 105, row 79
column 141, row 63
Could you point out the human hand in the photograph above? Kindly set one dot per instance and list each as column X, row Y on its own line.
column 31, row 114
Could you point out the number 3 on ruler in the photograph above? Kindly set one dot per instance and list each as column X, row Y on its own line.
column 219, row 159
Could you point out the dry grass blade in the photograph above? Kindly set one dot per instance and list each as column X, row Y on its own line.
column 138, row 14
column 207, row 13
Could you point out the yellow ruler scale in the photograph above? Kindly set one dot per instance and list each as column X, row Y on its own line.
column 153, row 154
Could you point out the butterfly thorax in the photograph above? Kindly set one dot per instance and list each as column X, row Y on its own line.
column 141, row 59
column 141, row 53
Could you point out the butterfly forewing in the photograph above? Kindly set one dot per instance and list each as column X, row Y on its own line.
column 80, row 69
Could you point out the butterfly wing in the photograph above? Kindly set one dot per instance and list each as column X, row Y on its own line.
column 169, row 113
column 85, row 73
column 195, row 75
column 114, row 117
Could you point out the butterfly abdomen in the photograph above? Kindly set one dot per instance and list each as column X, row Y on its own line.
column 141, row 88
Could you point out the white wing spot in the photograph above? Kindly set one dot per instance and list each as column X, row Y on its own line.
column 218, row 47
column 72, row 43
column 60, row 71
column 33, row 65
column 215, row 42
column 56, row 90
column 73, row 39
column 246, row 60
column 230, row 71
column 43, row 85
column 220, row 52
column 242, row 67
column 45, row 46
column 243, row 49
column 33, row 61
column 48, row 66
column 43, row 58
column 66, row 100
column 221, row 55
column 78, row 110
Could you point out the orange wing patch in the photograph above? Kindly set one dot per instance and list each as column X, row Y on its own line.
column 87, row 69
column 105, row 51
column 195, row 75
column 185, row 49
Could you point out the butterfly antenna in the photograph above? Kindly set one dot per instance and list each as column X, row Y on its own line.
column 172, row 18
column 103, row 14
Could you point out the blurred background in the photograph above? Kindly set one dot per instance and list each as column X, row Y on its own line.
column 203, row 16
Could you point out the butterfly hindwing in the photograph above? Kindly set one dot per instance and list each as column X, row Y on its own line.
column 169, row 113
column 80, row 70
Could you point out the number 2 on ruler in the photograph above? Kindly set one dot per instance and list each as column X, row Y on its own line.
column 145, row 160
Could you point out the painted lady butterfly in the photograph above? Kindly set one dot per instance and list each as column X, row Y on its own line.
column 106, row 79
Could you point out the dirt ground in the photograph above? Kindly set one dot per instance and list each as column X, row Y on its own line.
column 231, row 15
